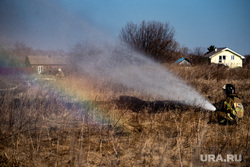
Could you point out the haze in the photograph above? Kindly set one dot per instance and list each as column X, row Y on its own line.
column 60, row 24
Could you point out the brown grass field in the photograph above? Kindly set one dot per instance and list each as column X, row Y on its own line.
column 40, row 127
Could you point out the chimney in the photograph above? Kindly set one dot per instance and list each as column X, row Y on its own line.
column 215, row 49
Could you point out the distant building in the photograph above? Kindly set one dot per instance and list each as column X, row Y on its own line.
column 226, row 57
column 183, row 61
column 46, row 64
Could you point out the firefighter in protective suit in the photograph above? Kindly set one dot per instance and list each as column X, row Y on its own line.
column 232, row 109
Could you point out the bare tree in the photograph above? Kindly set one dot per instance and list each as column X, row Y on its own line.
column 247, row 60
column 199, row 51
column 184, row 51
column 197, row 56
column 153, row 38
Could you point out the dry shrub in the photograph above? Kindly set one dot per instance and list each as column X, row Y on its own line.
column 210, row 72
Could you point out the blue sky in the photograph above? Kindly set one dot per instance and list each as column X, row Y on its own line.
column 60, row 24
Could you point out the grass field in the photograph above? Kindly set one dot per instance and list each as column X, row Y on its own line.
column 43, row 127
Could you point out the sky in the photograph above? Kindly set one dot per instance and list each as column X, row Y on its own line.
column 61, row 24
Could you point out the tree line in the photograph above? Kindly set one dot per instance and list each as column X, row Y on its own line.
column 152, row 38
column 14, row 55
column 157, row 40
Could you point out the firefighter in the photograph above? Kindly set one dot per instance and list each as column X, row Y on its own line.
column 231, row 110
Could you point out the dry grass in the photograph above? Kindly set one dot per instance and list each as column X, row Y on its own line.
column 44, row 129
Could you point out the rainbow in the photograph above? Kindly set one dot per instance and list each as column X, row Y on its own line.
column 83, row 99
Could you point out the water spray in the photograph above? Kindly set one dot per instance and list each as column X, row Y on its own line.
column 123, row 66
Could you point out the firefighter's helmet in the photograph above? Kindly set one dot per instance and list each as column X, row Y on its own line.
column 228, row 89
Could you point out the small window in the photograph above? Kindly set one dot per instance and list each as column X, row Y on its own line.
column 40, row 69
column 232, row 57
column 224, row 57
column 220, row 59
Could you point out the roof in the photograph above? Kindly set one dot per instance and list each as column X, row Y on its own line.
column 182, row 59
column 218, row 50
column 47, row 60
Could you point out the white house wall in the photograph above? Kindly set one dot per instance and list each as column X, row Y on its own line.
column 237, row 62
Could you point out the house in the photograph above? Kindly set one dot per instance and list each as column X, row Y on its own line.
column 46, row 64
column 183, row 61
column 226, row 57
